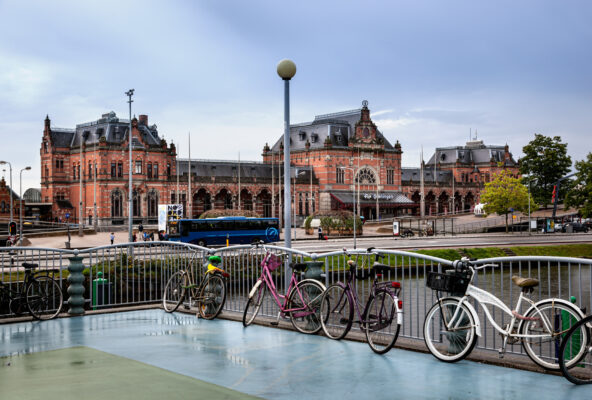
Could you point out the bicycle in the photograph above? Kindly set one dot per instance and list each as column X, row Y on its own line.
column 383, row 305
column 208, row 294
column 451, row 324
column 41, row 295
column 577, row 369
column 301, row 304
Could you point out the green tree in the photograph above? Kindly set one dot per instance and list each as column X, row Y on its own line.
column 505, row 193
column 580, row 194
column 545, row 160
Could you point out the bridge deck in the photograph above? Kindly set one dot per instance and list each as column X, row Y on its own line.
column 150, row 354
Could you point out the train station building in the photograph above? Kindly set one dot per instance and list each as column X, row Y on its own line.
column 339, row 161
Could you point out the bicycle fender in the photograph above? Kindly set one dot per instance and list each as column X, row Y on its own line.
column 557, row 301
column 315, row 281
column 471, row 310
column 255, row 287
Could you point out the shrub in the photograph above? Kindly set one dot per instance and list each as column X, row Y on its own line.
column 229, row 213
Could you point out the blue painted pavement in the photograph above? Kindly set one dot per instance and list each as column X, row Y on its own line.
column 278, row 364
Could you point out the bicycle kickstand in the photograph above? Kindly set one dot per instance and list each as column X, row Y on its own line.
column 502, row 350
column 277, row 321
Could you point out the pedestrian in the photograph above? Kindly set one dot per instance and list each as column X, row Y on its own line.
column 141, row 228
column 320, row 233
column 112, row 237
column 160, row 236
column 152, row 236
column 134, row 238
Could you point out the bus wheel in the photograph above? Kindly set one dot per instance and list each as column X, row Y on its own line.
column 202, row 243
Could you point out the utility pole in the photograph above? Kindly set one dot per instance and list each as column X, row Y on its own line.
column 129, row 94
column 421, row 185
column 272, row 187
column 189, row 196
column 95, row 222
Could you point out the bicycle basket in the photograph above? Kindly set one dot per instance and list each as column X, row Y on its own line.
column 455, row 282
column 272, row 261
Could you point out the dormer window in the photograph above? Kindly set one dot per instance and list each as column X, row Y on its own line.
column 314, row 138
column 302, row 136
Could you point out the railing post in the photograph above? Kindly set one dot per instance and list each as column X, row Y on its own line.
column 76, row 288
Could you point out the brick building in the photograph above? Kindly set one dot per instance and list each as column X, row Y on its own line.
column 332, row 157
column 471, row 166
column 5, row 193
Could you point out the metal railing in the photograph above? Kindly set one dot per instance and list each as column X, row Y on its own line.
column 134, row 274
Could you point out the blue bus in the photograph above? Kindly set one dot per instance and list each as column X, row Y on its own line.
column 215, row 231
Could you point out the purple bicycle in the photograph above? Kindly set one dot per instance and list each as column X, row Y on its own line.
column 376, row 318
column 301, row 304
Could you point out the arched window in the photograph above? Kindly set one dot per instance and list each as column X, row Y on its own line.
column 2, row 206
column 137, row 206
column 152, row 203
column 116, row 204
column 365, row 176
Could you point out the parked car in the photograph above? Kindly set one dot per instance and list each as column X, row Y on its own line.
column 576, row 227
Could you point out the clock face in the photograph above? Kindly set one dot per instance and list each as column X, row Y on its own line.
column 366, row 132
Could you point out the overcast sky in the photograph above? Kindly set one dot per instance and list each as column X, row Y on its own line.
column 432, row 71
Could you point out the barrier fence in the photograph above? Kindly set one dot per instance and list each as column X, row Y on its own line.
column 135, row 274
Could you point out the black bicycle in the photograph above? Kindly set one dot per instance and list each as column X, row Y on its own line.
column 572, row 342
column 38, row 293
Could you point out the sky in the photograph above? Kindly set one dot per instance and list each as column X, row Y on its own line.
column 433, row 72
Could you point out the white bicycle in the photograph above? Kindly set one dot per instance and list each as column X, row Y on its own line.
column 452, row 325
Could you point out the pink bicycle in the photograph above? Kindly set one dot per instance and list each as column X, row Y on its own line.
column 301, row 304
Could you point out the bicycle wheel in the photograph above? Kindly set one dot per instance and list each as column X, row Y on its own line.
column 543, row 350
column 456, row 342
column 380, row 332
column 577, row 369
column 174, row 291
column 212, row 297
column 44, row 298
column 337, row 311
column 253, row 305
column 305, row 300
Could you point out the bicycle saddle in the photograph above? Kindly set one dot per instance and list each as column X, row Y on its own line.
column 30, row 265
column 378, row 268
column 298, row 266
column 525, row 282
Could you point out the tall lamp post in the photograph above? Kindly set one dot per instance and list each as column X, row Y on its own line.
column 21, row 207
column 286, row 69
column 10, row 167
column 129, row 94
column 354, row 199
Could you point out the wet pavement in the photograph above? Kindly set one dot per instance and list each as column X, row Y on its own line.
column 108, row 355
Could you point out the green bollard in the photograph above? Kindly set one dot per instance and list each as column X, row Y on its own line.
column 98, row 284
column 567, row 322
column 76, row 288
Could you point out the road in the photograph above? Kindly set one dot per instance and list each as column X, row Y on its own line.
column 482, row 240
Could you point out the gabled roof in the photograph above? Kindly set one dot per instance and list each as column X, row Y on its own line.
column 338, row 127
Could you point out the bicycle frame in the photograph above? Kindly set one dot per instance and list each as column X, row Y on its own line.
column 484, row 298
column 267, row 279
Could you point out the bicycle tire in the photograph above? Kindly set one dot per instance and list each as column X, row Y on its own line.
column 212, row 297
column 254, row 304
column 174, row 291
column 337, row 311
column 378, row 327
column 306, row 295
column 449, row 345
column 44, row 298
column 579, row 372
column 544, row 351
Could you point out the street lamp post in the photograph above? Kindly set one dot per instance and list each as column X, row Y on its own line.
column 21, row 207
column 129, row 94
column 354, row 199
column 10, row 167
column 286, row 69
column 95, row 222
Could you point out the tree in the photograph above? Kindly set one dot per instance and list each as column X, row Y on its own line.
column 545, row 161
column 580, row 195
column 505, row 194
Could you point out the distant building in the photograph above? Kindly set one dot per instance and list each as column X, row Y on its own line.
column 332, row 157
column 5, row 194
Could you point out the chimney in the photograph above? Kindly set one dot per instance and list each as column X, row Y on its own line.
column 144, row 119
